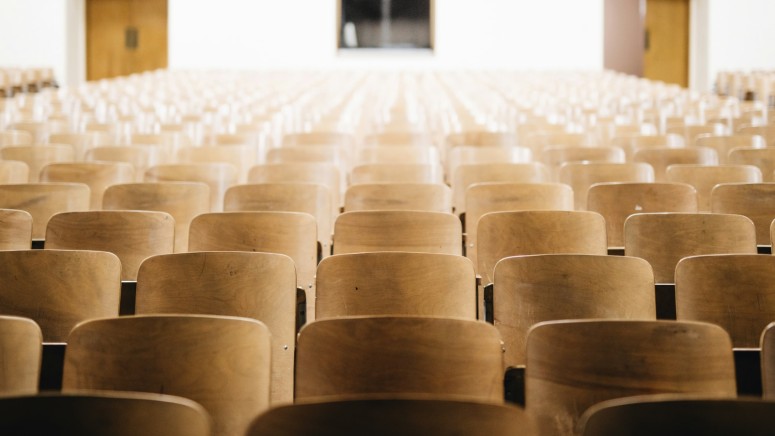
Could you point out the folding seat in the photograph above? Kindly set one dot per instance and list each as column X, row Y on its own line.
column 542, row 140
column 15, row 229
column 472, row 154
column 43, row 200
column 21, row 344
column 555, row 157
column 391, row 138
column 754, row 200
column 10, row 138
column 705, row 177
column 326, row 154
column 397, row 154
column 218, row 176
column 96, row 175
column 691, row 132
column 12, row 171
column 243, row 157
column 396, row 173
column 467, row 175
column 632, row 143
column 762, row 158
column 430, row 197
column 580, row 176
column 326, row 174
column 724, row 144
column 319, row 138
column 38, row 156
column 662, row 157
column 141, row 157
column 481, row 138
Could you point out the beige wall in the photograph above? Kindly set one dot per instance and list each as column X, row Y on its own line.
column 623, row 36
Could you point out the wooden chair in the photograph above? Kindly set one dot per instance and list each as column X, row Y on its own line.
column 430, row 197
column 705, row 177
column 21, row 344
column 261, row 286
column 397, row 230
column 326, row 174
column 96, row 175
column 38, row 156
column 767, row 132
column 632, row 143
column 571, row 365
column 726, row 143
column 59, row 288
column 467, row 175
column 222, row 363
column 399, row 355
column 472, row 154
column 762, row 158
column 397, row 154
column 481, row 138
column 100, row 413
column 735, row 291
column 319, row 138
column 399, row 138
column 218, row 176
column 243, row 157
column 132, row 235
column 663, row 239
column 767, row 345
column 293, row 234
column 504, row 234
column 532, row 289
column 754, row 200
column 662, row 157
column 678, row 415
column 43, row 200
column 15, row 229
column 396, row 173
column 617, row 201
column 141, row 157
column 10, row 138
column 182, row 200
column 691, row 132
column 390, row 416
column 13, row 171
column 555, row 157
column 580, row 176
column 325, row 154
column 83, row 141
column 396, row 283
column 542, row 140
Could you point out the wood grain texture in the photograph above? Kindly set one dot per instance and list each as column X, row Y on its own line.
column 326, row 174
column 631, row 143
column 663, row 239
column 96, row 175
column 383, row 417
column 705, row 177
column 243, row 157
column 762, row 158
column 754, row 200
column 222, row 363
column 14, row 171
column 369, row 355
column 100, row 413
column 662, row 157
column 467, row 175
column 261, row 286
column 617, row 201
column 132, row 235
column 429, row 197
column 218, row 176
column 667, row 55
column 59, row 288
column 44, row 200
column 581, row 175
column 38, row 156
column 141, row 157
column 724, row 144
column 554, row 157
column 405, row 230
column 182, row 200
column 572, row 365
column 395, row 283
column 396, row 173
column 532, row 289
column 735, row 291
column 15, row 229
column 21, row 345
column 504, row 234
column 474, row 154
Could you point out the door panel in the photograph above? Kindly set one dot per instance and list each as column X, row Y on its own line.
column 667, row 41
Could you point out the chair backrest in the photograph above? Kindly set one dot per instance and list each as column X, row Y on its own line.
column 617, row 201
column 84, row 141
column 38, row 156
column 396, row 173
column 663, row 239
column 396, row 283
column 632, row 143
column 59, row 288
column 182, row 200
column 580, row 176
column 222, row 363
column 504, row 234
column 9, row 138
column 14, row 171
column 705, row 177
column 132, row 235
column 383, row 417
column 100, row 413
column 572, row 365
column 97, row 175
column 467, row 175
column 399, row 355
column 724, row 144
column 397, row 154
column 555, row 157
column 15, row 229
column 754, row 200
column 481, row 138
column 243, row 157
column 319, row 138
column 397, row 230
column 691, row 132
column 261, row 286
column 141, row 157
column 326, row 174
column 678, row 415
column 218, row 176
column 474, row 154
column 762, row 158
column 430, row 197
column 43, row 200
column 735, row 291
column 662, row 157
column 399, row 138
column 532, row 289
column 21, row 345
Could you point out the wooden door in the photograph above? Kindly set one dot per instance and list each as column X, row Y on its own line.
column 667, row 41
column 125, row 37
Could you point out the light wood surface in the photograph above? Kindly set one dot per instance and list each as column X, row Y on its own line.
column 467, row 175
column 735, row 291
column 399, row 138
column 141, row 157
column 532, row 289
column 10, row 137
column 319, row 138
column 243, row 157
column 572, row 365
column 99, row 413
column 261, row 286
column 384, row 230
column 663, row 239
column 371, row 355
column 21, row 345
column 326, row 174
column 617, row 201
column 754, row 200
column 767, row 344
column 395, row 283
column 504, row 234
column 762, row 158
column 544, row 139
column 14, row 171
column 43, row 200
column 481, row 138
column 38, row 156
column 474, row 154
column 705, row 177
column 580, row 176
column 383, row 417
column 397, row 154
column 132, row 235
column 554, row 157
column 396, row 173
column 724, row 144
column 633, row 142
column 692, row 132
column 15, row 229
column 84, row 141
column 429, row 197
column 59, row 288
column 96, row 175
column 218, row 176
column 222, row 363
column 182, row 200
column 662, row 157
column 305, row 154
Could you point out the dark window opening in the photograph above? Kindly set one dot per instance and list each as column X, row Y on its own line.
column 385, row 24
